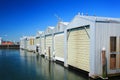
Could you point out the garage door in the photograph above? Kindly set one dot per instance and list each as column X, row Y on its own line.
column 59, row 46
column 48, row 45
column 42, row 45
column 79, row 48
column 37, row 41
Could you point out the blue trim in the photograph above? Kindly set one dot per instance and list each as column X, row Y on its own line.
column 107, row 21
column 58, row 32
column 48, row 35
column 87, row 26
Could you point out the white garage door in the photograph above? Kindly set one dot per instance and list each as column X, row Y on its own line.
column 79, row 49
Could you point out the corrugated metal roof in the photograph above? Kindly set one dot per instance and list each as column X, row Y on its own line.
column 49, row 30
column 96, row 18
column 24, row 37
column 31, row 37
column 51, row 27
column 107, row 21
column 43, row 33
column 39, row 33
column 65, row 23
column 82, row 20
column 61, row 26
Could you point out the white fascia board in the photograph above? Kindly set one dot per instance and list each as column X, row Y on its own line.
column 79, row 22
column 65, row 48
column 92, row 49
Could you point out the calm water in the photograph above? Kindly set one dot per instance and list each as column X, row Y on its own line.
column 20, row 65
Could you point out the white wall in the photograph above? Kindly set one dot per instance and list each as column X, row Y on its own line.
column 103, row 33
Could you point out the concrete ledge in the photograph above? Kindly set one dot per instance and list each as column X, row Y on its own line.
column 59, row 62
column 79, row 71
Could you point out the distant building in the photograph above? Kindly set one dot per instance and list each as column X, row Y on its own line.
column 0, row 40
column 16, row 43
column 7, row 43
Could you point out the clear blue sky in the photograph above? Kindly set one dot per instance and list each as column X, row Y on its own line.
column 26, row 17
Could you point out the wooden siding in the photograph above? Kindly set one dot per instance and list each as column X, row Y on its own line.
column 79, row 49
column 48, row 44
column 42, row 45
column 59, row 45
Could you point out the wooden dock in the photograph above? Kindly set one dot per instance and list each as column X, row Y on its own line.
column 9, row 46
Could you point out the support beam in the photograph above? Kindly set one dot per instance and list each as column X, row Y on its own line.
column 65, row 48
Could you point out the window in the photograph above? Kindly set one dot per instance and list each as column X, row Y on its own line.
column 31, row 41
column 119, row 44
column 112, row 61
column 112, row 44
column 119, row 52
column 117, row 61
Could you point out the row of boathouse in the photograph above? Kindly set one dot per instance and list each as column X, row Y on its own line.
column 88, row 43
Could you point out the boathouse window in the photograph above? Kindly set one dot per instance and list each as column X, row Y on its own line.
column 31, row 42
column 113, row 44
column 112, row 61
column 119, row 53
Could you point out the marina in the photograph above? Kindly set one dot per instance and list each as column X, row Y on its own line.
column 18, row 64
column 59, row 40
column 23, row 65
column 88, row 43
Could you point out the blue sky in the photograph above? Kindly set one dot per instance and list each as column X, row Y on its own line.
column 26, row 17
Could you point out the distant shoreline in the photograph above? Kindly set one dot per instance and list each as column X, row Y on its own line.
column 9, row 46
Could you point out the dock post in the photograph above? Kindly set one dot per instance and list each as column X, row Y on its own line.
column 104, row 64
column 49, row 52
column 65, row 48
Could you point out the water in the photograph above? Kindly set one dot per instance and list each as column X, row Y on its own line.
column 20, row 65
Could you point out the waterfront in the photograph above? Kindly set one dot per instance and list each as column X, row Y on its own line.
column 20, row 65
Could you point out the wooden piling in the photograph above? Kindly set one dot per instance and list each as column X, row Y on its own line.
column 49, row 52
column 104, row 64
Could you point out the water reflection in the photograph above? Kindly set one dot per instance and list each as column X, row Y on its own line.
column 50, row 70
column 22, row 65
